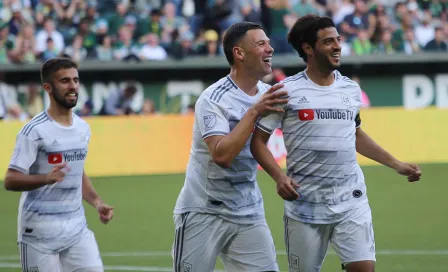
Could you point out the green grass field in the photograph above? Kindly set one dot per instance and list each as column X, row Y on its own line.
column 410, row 222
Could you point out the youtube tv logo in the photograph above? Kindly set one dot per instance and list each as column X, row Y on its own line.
column 306, row 115
column 55, row 158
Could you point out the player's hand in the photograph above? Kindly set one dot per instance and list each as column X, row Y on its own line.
column 412, row 171
column 270, row 100
column 286, row 188
column 106, row 213
column 56, row 174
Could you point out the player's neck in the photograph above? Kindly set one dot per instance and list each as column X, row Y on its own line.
column 322, row 77
column 60, row 115
column 246, row 82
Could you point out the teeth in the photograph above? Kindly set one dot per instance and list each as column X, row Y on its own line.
column 267, row 59
column 72, row 94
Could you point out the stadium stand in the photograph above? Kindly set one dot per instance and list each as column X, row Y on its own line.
column 32, row 31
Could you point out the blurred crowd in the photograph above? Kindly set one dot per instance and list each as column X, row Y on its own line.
column 139, row 30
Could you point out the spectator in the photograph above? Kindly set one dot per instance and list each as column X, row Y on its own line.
column 359, row 20
column 385, row 45
column 438, row 44
column 151, row 25
column 152, row 49
column 184, row 47
column 86, row 110
column 425, row 32
column 149, row 107
column 362, row 45
column 278, row 16
column 410, row 45
column 104, row 51
column 49, row 33
column 116, row 21
column 210, row 47
column 50, row 50
column 34, row 102
column 120, row 101
column 6, row 43
column 76, row 51
column 25, row 46
column 125, row 47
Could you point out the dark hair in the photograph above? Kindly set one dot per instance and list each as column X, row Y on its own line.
column 53, row 65
column 234, row 34
column 305, row 31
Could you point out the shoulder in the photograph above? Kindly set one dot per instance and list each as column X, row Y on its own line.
column 346, row 82
column 295, row 79
column 215, row 92
column 79, row 122
column 32, row 127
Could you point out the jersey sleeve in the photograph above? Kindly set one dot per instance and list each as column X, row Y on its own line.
column 270, row 122
column 211, row 119
column 25, row 153
column 358, row 120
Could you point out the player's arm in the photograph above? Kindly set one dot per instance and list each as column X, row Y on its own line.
column 367, row 147
column 25, row 153
column 19, row 182
column 225, row 147
column 90, row 195
column 259, row 149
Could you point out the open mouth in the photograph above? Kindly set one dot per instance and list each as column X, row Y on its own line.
column 336, row 56
column 72, row 96
column 268, row 60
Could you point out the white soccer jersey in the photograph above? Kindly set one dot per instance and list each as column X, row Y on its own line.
column 231, row 193
column 319, row 126
column 51, row 217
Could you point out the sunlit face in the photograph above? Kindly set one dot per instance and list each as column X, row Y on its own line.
column 257, row 52
column 327, row 51
column 64, row 87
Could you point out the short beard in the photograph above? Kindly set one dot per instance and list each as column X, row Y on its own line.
column 61, row 99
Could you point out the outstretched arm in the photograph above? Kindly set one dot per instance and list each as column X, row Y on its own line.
column 91, row 196
column 367, row 147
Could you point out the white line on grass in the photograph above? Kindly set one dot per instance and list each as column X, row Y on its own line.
column 442, row 252
column 112, row 268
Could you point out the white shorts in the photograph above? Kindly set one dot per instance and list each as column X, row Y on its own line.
column 352, row 239
column 201, row 238
column 84, row 256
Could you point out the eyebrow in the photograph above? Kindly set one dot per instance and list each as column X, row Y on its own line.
column 65, row 78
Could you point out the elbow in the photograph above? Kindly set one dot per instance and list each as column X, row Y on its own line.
column 7, row 184
column 222, row 162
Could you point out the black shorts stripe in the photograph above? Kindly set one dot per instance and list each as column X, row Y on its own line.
column 179, row 243
column 24, row 256
column 285, row 222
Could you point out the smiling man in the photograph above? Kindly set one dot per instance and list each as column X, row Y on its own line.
column 322, row 130
column 48, row 167
column 219, row 211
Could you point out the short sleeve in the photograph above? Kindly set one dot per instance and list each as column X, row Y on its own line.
column 358, row 120
column 270, row 122
column 25, row 153
column 211, row 119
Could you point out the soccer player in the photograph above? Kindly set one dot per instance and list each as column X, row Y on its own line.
column 219, row 211
column 322, row 132
column 48, row 167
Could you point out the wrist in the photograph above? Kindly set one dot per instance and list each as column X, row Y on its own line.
column 395, row 164
column 97, row 202
column 253, row 113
